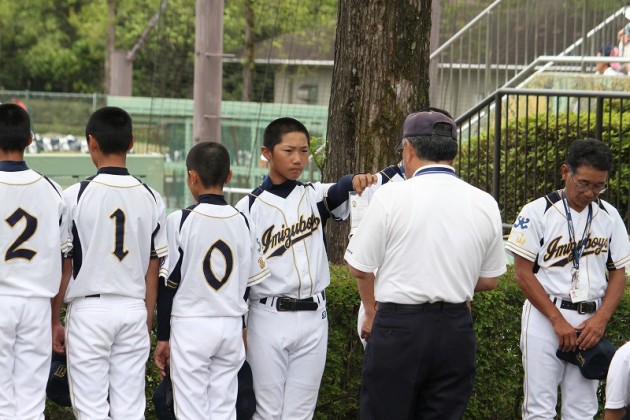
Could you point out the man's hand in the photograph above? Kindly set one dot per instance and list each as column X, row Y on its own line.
column 362, row 181
column 591, row 331
column 368, row 320
column 162, row 356
column 567, row 335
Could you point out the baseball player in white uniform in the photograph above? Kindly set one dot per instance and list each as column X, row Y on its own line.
column 287, row 330
column 618, row 385
column 203, row 297
column 570, row 251
column 32, row 239
column 118, row 239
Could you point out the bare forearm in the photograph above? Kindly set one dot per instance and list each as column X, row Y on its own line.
column 151, row 291
column 57, row 301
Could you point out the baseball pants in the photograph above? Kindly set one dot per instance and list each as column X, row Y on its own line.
column 544, row 372
column 206, row 354
column 25, row 352
column 287, row 354
column 107, row 346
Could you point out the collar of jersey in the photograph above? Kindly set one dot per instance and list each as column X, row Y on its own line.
column 215, row 199
column 13, row 165
column 113, row 170
column 435, row 169
column 282, row 190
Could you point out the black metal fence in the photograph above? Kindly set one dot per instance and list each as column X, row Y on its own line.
column 513, row 144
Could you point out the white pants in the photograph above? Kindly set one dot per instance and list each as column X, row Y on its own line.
column 107, row 346
column 287, row 354
column 25, row 351
column 206, row 355
column 544, row 372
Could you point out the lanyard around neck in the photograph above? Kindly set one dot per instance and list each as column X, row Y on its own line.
column 577, row 253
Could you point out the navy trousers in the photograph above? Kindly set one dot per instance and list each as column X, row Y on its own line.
column 419, row 363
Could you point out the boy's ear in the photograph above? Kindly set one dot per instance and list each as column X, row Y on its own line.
column 194, row 176
column 93, row 144
column 229, row 177
column 266, row 152
column 130, row 144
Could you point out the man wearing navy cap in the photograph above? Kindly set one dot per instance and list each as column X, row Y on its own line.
column 435, row 240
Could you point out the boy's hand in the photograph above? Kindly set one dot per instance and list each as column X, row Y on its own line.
column 58, row 339
column 361, row 182
column 162, row 356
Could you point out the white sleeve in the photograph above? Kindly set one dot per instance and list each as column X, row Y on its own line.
column 618, row 380
column 524, row 239
column 366, row 249
column 619, row 244
column 160, row 243
column 171, row 230
column 70, row 196
column 258, row 270
column 494, row 262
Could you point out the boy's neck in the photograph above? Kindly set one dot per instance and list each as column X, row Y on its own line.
column 211, row 190
column 12, row 155
column 111, row 161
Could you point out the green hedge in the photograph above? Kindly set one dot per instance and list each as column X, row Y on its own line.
column 498, row 388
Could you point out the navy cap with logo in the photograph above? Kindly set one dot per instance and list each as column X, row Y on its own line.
column 57, row 388
column 428, row 123
column 593, row 362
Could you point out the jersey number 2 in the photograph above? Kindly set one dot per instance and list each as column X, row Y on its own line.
column 215, row 282
column 119, row 234
column 14, row 251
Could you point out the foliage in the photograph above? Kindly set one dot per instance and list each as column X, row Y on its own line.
column 318, row 150
column 533, row 148
column 60, row 46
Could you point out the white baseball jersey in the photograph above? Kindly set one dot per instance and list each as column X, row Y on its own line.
column 117, row 226
column 218, row 259
column 540, row 234
column 34, row 233
column 618, row 380
column 288, row 220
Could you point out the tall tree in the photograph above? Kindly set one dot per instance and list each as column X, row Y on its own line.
column 375, row 85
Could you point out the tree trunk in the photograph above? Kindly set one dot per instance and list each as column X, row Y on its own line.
column 111, row 45
column 248, row 62
column 381, row 74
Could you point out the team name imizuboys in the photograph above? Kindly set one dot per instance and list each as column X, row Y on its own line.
column 288, row 235
column 555, row 249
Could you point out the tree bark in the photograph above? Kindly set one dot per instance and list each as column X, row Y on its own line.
column 381, row 74
column 111, row 44
column 248, row 62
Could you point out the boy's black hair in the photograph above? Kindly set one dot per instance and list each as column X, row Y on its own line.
column 15, row 128
column 211, row 161
column 589, row 152
column 278, row 128
column 111, row 127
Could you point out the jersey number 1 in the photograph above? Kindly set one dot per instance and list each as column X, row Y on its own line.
column 14, row 251
column 119, row 234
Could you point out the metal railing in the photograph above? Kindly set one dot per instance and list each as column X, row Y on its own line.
column 496, row 46
column 513, row 144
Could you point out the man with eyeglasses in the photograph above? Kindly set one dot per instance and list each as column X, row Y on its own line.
column 570, row 250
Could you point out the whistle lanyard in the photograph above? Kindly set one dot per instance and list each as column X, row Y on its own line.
column 577, row 253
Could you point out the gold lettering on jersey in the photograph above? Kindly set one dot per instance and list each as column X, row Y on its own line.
column 564, row 251
column 283, row 238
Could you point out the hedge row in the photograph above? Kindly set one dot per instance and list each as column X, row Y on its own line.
column 498, row 388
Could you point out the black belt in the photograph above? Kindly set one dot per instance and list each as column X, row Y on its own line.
column 581, row 307
column 420, row 307
column 286, row 304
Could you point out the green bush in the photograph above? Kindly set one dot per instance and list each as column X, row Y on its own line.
column 497, row 393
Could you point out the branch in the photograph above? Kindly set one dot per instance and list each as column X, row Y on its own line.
column 152, row 23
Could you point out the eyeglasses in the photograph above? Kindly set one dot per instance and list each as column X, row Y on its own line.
column 584, row 186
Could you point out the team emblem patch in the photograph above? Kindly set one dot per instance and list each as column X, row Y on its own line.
column 522, row 222
column 261, row 262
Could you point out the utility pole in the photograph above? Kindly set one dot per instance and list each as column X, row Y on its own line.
column 208, row 71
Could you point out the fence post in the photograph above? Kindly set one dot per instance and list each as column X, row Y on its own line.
column 599, row 117
column 496, row 170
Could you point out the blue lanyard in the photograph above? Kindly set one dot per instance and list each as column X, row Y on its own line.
column 577, row 253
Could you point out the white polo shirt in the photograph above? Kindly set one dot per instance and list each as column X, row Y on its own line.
column 431, row 238
column 618, row 380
